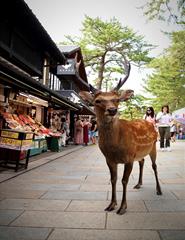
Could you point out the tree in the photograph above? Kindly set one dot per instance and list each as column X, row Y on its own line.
column 134, row 108
column 106, row 46
column 169, row 10
column 168, row 80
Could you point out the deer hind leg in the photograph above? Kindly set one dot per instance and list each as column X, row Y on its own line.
column 127, row 171
column 140, row 181
column 153, row 155
column 113, row 174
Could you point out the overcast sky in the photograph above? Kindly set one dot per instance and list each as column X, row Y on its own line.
column 61, row 18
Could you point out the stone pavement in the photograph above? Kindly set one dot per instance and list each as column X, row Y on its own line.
column 64, row 196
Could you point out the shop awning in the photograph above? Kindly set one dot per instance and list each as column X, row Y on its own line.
column 15, row 77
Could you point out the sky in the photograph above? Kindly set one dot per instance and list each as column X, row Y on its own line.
column 61, row 18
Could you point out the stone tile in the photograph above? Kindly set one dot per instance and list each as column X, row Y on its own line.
column 75, row 195
column 18, row 233
column 34, row 204
column 173, row 181
column 98, row 187
column 99, row 206
column 98, row 179
column 173, row 187
column 61, row 219
column 51, row 181
column 20, row 193
column 65, row 187
column 25, row 187
column 166, row 205
column 87, row 206
column 54, row 177
column 79, row 234
column 172, row 235
column 144, row 194
column 39, row 186
column 171, row 221
column 7, row 216
column 148, row 181
column 5, row 176
column 75, row 176
column 180, row 194
column 169, row 175
column 1, row 198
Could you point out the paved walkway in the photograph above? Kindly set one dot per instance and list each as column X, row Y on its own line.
column 65, row 199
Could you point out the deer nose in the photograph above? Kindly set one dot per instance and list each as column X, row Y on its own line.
column 112, row 111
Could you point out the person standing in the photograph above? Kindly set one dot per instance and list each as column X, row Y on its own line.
column 150, row 116
column 63, row 131
column 164, row 119
column 173, row 131
column 93, row 131
column 78, row 134
column 86, row 126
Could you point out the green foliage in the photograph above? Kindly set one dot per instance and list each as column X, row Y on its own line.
column 169, row 10
column 134, row 108
column 105, row 47
column 167, row 83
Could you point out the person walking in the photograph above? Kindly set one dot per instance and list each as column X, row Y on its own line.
column 164, row 119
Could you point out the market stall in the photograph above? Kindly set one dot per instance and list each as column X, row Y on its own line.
column 44, row 138
column 14, row 148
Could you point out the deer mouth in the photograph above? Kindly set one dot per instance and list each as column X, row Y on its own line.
column 111, row 112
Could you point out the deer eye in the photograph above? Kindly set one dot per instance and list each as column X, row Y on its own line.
column 115, row 100
column 98, row 101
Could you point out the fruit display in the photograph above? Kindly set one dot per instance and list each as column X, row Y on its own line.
column 26, row 123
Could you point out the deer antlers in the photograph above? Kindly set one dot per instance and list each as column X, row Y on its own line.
column 127, row 67
column 122, row 81
column 77, row 64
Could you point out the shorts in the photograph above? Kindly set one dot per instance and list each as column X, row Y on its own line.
column 92, row 134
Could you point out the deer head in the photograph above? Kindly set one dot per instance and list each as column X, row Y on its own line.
column 107, row 103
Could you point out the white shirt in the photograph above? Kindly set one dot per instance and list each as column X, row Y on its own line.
column 164, row 119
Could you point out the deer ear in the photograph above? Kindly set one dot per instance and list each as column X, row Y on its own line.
column 86, row 96
column 126, row 94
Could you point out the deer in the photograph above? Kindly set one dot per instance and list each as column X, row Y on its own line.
column 122, row 141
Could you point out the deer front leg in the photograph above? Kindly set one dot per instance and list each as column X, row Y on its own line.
column 153, row 155
column 113, row 174
column 158, row 188
column 140, row 181
column 127, row 171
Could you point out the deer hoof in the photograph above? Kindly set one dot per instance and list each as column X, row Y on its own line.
column 121, row 211
column 137, row 186
column 159, row 193
column 111, row 207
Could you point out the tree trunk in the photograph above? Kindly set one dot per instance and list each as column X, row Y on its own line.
column 100, row 72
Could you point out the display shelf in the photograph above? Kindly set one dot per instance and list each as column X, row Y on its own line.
column 38, row 146
column 54, row 143
column 12, row 145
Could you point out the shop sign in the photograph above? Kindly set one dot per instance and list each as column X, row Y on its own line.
column 29, row 136
column 17, row 135
column 15, row 144
column 67, row 69
column 10, row 134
